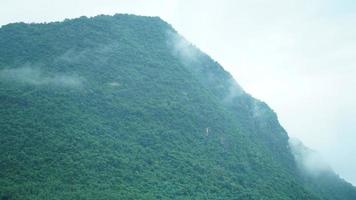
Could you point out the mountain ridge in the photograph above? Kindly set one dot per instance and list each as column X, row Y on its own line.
column 122, row 106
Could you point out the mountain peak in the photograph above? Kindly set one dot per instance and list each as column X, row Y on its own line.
column 123, row 107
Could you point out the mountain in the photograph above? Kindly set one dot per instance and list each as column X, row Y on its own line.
column 123, row 107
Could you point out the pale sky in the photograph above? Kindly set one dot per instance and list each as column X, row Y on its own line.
column 299, row 56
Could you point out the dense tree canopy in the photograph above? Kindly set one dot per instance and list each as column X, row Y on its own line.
column 122, row 107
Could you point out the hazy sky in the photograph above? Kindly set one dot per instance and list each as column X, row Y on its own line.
column 297, row 55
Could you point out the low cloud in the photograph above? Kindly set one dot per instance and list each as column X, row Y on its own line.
column 235, row 91
column 35, row 76
column 308, row 161
column 181, row 48
column 192, row 57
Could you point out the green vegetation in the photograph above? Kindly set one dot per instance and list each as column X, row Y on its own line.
column 122, row 107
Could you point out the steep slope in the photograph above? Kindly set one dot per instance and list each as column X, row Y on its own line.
column 122, row 107
column 318, row 175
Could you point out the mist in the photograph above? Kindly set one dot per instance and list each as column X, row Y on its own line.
column 34, row 76
column 181, row 48
column 308, row 161
column 190, row 56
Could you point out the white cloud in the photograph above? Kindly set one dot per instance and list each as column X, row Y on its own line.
column 34, row 76
column 308, row 160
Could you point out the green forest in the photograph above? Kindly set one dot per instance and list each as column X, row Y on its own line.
column 123, row 107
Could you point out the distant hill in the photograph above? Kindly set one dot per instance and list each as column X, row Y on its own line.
column 123, row 107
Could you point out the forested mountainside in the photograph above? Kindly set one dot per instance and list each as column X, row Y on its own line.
column 123, row 107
